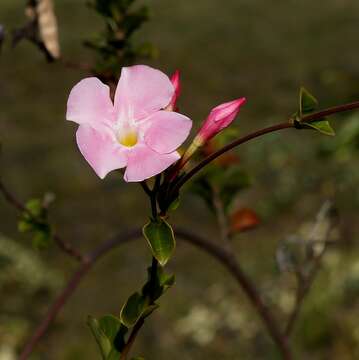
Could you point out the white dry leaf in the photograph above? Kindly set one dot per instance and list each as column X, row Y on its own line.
column 48, row 27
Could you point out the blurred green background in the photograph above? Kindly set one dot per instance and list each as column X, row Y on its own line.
column 225, row 49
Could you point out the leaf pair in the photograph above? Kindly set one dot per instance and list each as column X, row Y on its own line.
column 110, row 331
column 35, row 220
column 142, row 305
column 308, row 104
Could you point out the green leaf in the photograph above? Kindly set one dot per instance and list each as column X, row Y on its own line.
column 110, row 325
column 133, row 309
column 322, row 126
column 166, row 280
column 101, row 339
column 24, row 226
column 41, row 239
column 307, row 102
column 160, row 237
column 109, row 334
column 155, row 287
column 149, row 310
column 34, row 206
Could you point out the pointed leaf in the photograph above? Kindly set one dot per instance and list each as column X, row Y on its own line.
column 109, row 334
column 167, row 280
column 155, row 287
column 322, row 126
column 149, row 310
column 160, row 237
column 24, row 226
column 307, row 102
column 132, row 309
column 41, row 239
column 101, row 339
column 34, row 206
column 110, row 326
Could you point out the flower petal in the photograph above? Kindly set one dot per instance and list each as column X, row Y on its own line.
column 144, row 163
column 90, row 103
column 166, row 131
column 141, row 91
column 100, row 151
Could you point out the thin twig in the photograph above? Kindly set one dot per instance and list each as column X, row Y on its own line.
column 306, row 279
column 285, row 125
column 228, row 260
column 225, row 257
column 246, row 284
column 64, row 245
column 10, row 198
column 304, row 285
column 72, row 285
column 132, row 338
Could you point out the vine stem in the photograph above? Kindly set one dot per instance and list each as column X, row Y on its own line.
column 230, row 261
column 281, row 126
column 225, row 257
column 73, row 284
column 136, row 329
column 132, row 338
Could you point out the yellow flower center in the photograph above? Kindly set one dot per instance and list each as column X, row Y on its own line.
column 128, row 138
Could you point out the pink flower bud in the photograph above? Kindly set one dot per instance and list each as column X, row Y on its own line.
column 175, row 79
column 219, row 118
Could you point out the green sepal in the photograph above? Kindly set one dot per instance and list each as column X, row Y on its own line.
column 133, row 309
column 307, row 102
column 160, row 237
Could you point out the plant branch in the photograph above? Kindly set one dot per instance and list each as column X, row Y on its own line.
column 281, row 126
column 306, row 279
column 136, row 329
column 223, row 256
column 73, row 284
column 64, row 245
column 228, row 260
column 304, row 286
column 132, row 338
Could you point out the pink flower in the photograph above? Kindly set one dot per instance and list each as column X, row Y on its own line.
column 175, row 80
column 219, row 118
column 134, row 131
